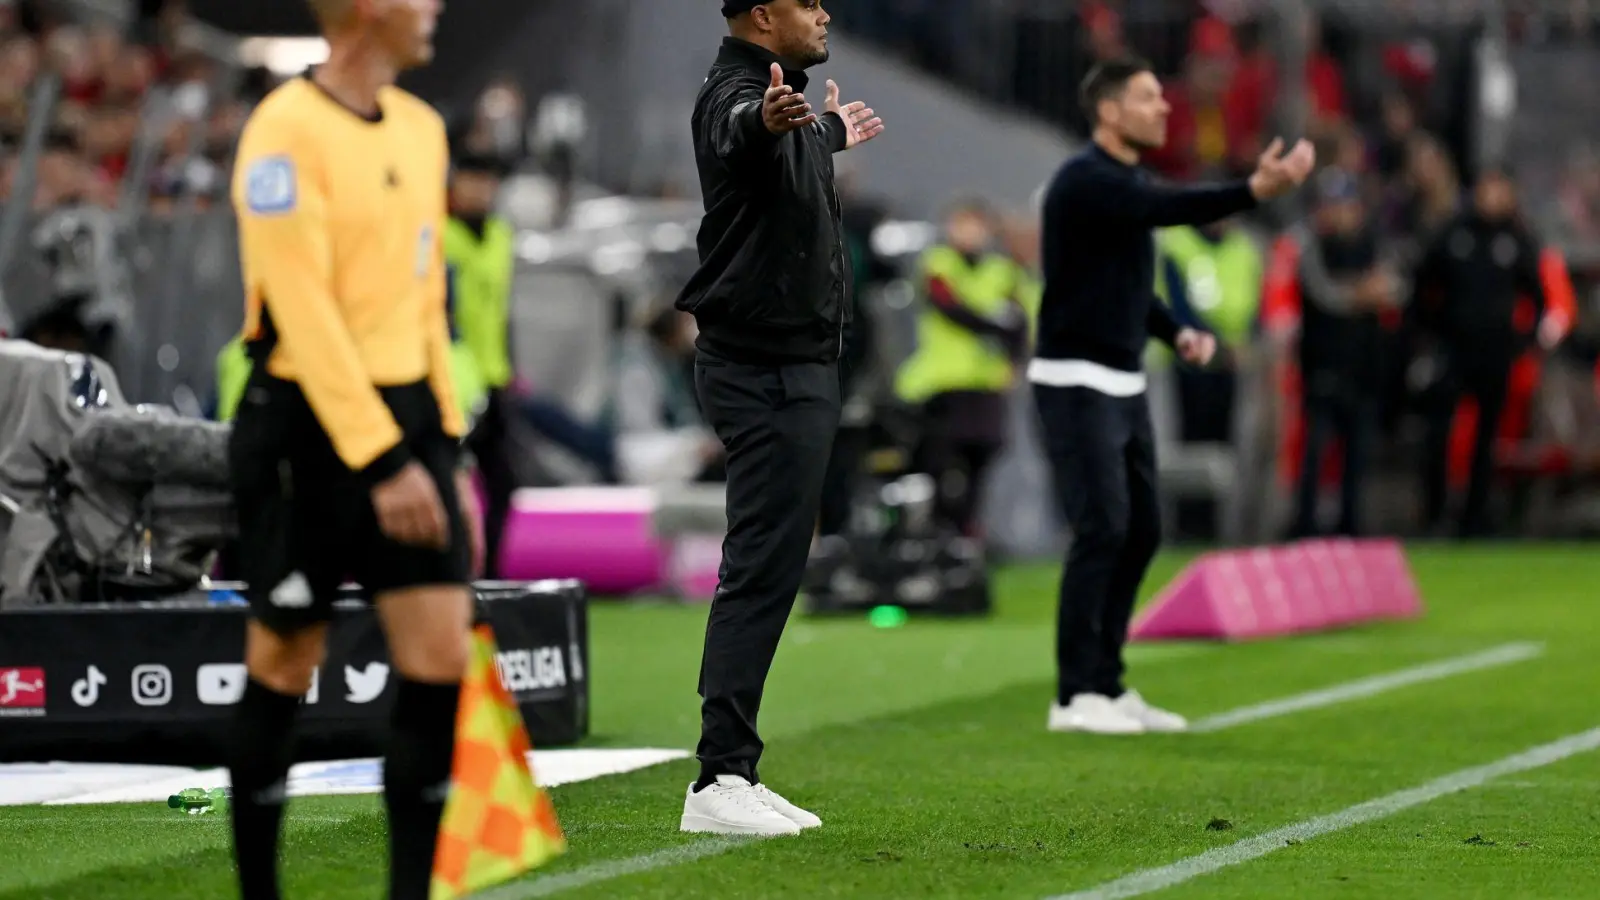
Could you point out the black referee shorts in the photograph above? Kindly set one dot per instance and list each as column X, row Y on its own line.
column 306, row 521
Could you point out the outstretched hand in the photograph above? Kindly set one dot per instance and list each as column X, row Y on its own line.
column 782, row 109
column 1277, row 173
column 860, row 125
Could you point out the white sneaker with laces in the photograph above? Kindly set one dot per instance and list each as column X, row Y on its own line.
column 1093, row 713
column 733, row 806
column 1152, row 717
column 786, row 809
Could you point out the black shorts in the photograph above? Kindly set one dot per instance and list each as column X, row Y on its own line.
column 306, row 521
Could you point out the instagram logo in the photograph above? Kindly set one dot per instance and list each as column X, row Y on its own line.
column 152, row 685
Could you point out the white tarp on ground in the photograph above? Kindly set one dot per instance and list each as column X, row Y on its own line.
column 23, row 784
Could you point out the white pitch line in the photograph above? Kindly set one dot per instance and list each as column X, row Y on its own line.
column 547, row 885
column 1151, row 880
column 1503, row 655
column 605, row 871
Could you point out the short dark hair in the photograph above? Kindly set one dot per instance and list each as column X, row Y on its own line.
column 1106, row 80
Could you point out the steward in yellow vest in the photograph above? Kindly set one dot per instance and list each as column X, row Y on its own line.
column 972, row 333
column 233, row 374
column 1212, row 277
column 479, row 251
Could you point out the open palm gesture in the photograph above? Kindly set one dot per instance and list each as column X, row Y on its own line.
column 860, row 125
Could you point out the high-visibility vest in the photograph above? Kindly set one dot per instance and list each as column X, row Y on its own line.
column 1221, row 290
column 949, row 357
column 233, row 373
column 480, row 273
column 234, row 366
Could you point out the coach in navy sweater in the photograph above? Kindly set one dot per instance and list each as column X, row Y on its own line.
column 1099, row 311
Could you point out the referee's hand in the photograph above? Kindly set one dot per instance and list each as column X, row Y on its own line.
column 409, row 509
column 783, row 110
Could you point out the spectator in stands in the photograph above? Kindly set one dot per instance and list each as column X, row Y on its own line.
column 971, row 336
column 1466, row 292
column 1343, row 284
column 1198, row 136
column 660, row 435
column 1392, row 147
column 498, row 128
column 1424, row 199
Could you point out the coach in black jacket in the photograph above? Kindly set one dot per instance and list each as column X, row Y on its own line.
column 771, row 304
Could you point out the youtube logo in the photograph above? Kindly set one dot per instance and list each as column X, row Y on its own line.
column 220, row 684
column 22, row 692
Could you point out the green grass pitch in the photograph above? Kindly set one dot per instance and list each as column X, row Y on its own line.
column 924, row 750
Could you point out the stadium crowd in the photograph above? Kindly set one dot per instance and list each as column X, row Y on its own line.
column 1389, row 132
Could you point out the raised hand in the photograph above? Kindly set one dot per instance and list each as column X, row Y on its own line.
column 1277, row 173
column 783, row 110
column 860, row 125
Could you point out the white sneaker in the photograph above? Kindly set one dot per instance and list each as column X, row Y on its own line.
column 732, row 806
column 1153, row 718
column 786, row 809
column 1094, row 713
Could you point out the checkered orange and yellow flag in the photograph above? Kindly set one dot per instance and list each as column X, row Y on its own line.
column 497, row 822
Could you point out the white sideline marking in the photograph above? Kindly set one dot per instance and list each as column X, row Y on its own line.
column 1367, row 687
column 1151, row 880
column 68, row 783
column 616, row 868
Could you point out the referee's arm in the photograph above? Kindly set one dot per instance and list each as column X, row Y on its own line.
column 284, row 232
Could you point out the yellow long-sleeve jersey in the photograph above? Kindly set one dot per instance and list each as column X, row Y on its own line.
column 341, row 223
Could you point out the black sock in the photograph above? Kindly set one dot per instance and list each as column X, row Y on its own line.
column 263, row 749
column 416, row 781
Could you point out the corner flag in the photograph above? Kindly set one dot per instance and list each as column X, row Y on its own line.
column 497, row 822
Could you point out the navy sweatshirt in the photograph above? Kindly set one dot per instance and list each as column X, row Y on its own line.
column 1099, row 256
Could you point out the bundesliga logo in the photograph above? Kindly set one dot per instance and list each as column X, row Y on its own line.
column 21, row 692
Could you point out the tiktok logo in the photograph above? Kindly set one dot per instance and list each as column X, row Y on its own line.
column 86, row 690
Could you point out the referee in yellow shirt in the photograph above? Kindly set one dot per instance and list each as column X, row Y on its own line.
column 345, row 448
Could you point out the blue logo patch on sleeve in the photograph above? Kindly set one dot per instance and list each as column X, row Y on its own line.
column 270, row 186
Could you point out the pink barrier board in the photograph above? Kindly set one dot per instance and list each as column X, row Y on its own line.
column 601, row 536
column 1288, row 589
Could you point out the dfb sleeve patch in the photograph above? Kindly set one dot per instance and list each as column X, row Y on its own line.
column 270, row 186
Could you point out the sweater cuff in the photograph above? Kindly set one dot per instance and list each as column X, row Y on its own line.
column 1244, row 198
column 386, row 466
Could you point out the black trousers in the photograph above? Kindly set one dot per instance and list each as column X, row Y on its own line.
column 1486, row 381
column 963, row 432
column 850, row 447
column 1205, row 403
column 490, row 446
column 1103, row 457
column 1355, row 420
column 778, row 425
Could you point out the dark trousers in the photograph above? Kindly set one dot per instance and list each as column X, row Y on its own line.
column 963, row 432
column 1486, row 382
column 1103, row 458
column 1355, row 420
column 778, row 424
column 490, row 446
column 839, row 484
column 1205, row 403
